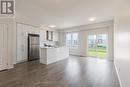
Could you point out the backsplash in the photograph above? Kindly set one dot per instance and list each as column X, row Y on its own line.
column 52, row 43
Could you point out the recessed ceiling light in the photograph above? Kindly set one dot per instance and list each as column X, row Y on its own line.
column 92, row 19
column 52, row 26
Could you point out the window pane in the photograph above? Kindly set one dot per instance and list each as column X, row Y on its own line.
column 68, row 40
column 72, row 40
column 68, row 36
column 75, row 36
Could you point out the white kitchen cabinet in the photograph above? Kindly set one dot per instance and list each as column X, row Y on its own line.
column 22, row 36
column 51, row 55
column 43, row 35
column 36, row 30
column 49, row 35
column 22, row 40
column 55, row 36
column 32, row 30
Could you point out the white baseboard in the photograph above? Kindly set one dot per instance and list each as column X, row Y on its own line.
column 118, row 75
column 10, row 67
column 21, row 61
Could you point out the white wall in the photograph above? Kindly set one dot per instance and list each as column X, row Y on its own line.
column 83, row 32
column 11, row 39
column 122, row 42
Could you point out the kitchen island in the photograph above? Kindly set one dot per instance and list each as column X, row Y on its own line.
column 50, row 55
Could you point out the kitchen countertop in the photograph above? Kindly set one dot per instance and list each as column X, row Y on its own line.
column 51, row 47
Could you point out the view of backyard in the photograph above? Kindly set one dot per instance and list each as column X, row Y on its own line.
column 99, row 52
column 97, row 46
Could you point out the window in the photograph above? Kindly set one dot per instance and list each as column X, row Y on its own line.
column 72, row 40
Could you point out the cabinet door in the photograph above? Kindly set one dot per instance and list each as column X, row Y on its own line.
column 33, row 30
column 3, row 46
column 20, row 46
column 22, row 40
column 37, row 31
column 25, row 48
column 55, row 36
column 42, row 36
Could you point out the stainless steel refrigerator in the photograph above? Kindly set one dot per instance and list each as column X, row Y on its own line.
column 33, row 47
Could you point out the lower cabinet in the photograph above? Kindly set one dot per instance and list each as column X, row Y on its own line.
column 51, row 55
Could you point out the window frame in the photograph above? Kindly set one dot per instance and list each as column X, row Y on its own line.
column 71, row 46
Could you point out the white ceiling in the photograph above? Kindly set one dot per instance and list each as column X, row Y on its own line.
column 64, row 13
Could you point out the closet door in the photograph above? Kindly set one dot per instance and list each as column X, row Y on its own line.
column 3, row 46
column 22, row 45
column 19, row 44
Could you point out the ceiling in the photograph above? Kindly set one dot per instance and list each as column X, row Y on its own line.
column 64, row 13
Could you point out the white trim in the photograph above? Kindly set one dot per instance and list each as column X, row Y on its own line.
column 118, row 75
column 10, row 67
column 27, row 24
column 11, row 40
column 88, row 27
column 25, row 60
column 73, row 48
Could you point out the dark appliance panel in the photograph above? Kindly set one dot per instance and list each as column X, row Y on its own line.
column 33, row 47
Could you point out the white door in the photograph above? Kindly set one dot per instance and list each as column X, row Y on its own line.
column 3, row 46
column 19, row 44
column 22, row 44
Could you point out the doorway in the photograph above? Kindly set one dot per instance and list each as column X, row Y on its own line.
column 98, row 45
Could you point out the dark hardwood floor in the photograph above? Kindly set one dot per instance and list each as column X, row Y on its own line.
column 72, row 72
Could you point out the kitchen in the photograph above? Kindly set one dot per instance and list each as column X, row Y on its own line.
column 48, row 49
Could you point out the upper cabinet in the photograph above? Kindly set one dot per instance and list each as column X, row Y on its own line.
column 43, row 35
column 33, row 30
column 55, row 36
column 52, row 35
column 49, row 35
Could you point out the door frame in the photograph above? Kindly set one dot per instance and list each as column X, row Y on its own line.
column 96, row 32
column 5, row 48
column 107, row 51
